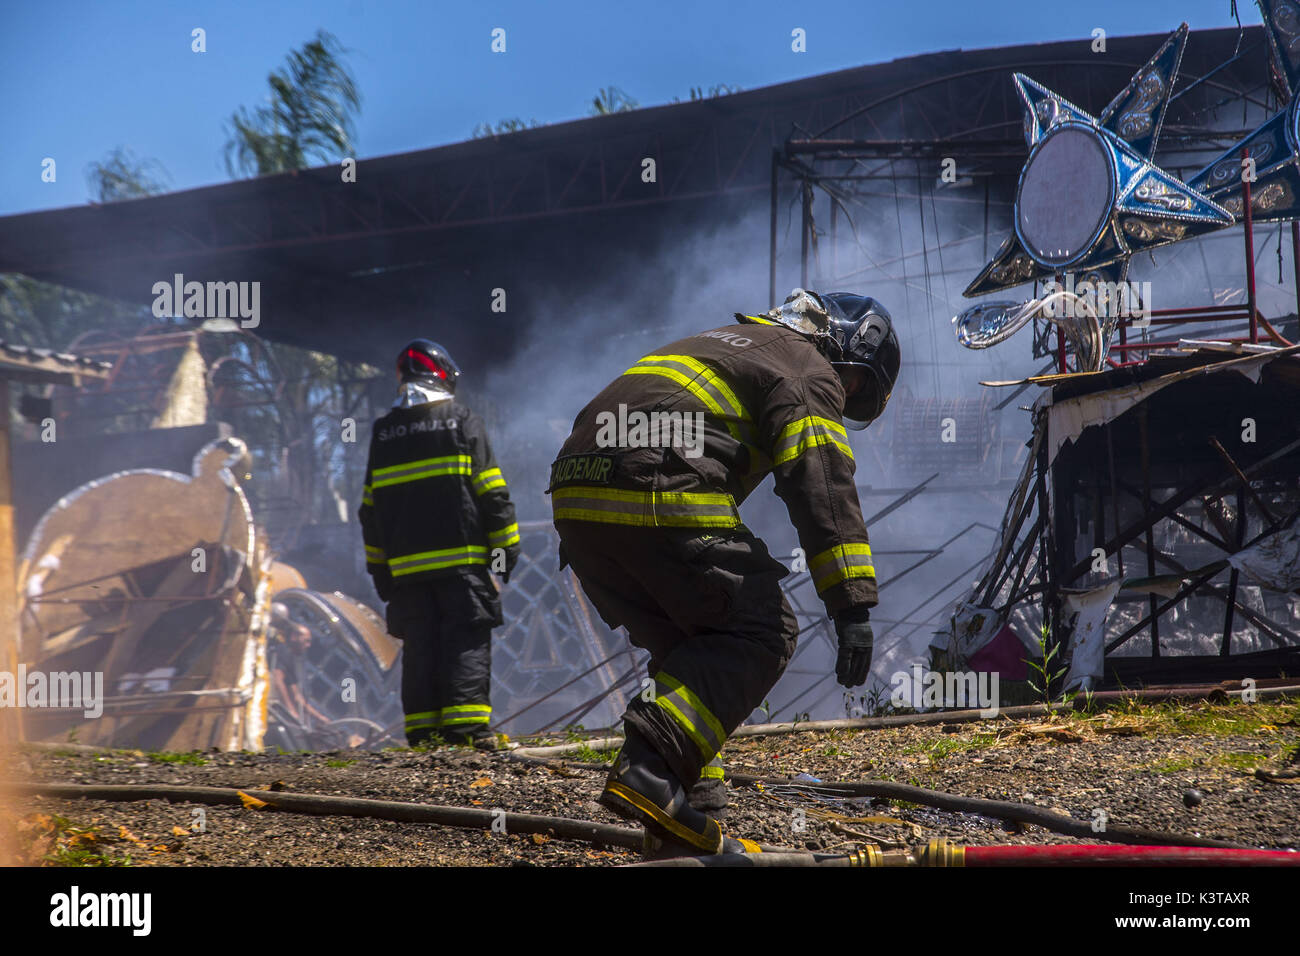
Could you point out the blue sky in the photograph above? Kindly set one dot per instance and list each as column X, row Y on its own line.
column 80, row 78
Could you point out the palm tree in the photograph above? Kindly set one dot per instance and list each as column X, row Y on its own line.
column 512, row 125
column 122, row 175
column 309, row 114
column 612, row 100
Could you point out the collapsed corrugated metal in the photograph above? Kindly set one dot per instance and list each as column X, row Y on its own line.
column 158, row 582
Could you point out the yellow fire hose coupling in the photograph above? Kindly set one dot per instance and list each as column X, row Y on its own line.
column 938, row 852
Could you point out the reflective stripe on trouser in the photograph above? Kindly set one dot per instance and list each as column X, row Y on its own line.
column 456, row 715
column 709, row 793
column 690, row 714
column 428, row 720
column 446, row 658
column 464, row 715
column 843, row 561
column 648, row 509
column 709, row 609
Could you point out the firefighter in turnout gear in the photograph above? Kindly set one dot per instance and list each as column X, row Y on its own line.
column 436, row 516
column 645, row 494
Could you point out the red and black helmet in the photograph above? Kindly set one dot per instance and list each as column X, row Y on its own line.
column 428, row 363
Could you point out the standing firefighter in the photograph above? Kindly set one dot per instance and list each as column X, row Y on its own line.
column 435, row 515
column 644, row 495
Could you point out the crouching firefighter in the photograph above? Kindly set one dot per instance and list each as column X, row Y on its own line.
column 436, row 515
column 644, row 496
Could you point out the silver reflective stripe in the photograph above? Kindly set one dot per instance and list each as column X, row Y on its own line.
column 691, row 714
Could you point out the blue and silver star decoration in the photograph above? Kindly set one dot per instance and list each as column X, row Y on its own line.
column 1089, row 195
column 1275, row 145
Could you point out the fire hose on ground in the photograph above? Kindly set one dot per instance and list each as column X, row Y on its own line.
column 465, row 817
column 586, row 831
column 1142, row 847
column 998, row 809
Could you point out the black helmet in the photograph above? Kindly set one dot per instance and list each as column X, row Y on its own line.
column 862, row 335
column 429, row 364
column 852, row 331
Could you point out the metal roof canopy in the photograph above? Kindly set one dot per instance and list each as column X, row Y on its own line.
column 345, row 267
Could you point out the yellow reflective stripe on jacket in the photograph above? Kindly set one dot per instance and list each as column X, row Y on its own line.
column 485, row 481
column 841, row 562
column 375, row 555
column 702, row 382
column 424, row 468
column 797, row 437
column 367, row 498
column 689, row 712
column 713, row 391
column 647, row 509
column 504, row 537
column 432, row 560
column 467, row 714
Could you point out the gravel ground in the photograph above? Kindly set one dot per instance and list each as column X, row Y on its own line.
column 1136, row 766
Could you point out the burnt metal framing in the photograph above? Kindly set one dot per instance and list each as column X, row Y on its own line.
column 1223, row 500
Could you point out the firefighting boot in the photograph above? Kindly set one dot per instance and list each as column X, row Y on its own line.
column 642, row 788
column 709, row 793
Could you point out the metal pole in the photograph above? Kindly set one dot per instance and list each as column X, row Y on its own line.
column 1114, row 492
column 1226, row 647
column 1295, row 261
column 1249, row 233
column 1143, row 440
column 1060, row 335
column 835, row 259
column 986, row 220
column 806, row 188
column 1047, row 554
column 771, row 253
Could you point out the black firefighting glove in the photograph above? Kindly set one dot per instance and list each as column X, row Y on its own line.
column 512, row 558
column 854, row 660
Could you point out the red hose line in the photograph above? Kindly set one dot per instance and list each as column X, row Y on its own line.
column 1111, row 855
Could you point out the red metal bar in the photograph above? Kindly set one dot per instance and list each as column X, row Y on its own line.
column 1193, row 319
column 1206, row 308
column 1137, row 346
